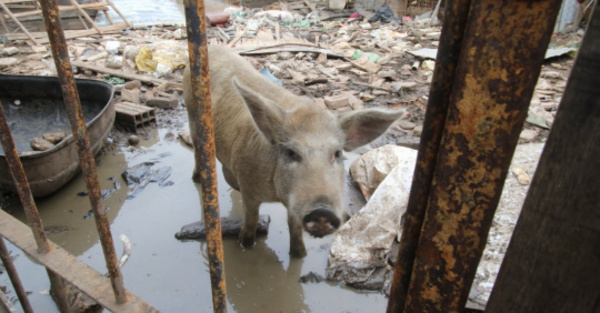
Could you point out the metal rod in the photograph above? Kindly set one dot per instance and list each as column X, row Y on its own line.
column 86, row 157
column 501, row 57
column 23, row 190
column 201, row 128
column 14, row 277
column 439, row 97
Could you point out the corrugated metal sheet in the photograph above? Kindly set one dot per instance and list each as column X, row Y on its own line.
column 146, row 12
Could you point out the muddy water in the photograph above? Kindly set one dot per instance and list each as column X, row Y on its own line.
column 173, row 275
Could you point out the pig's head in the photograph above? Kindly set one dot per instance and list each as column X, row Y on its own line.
column 309, row 140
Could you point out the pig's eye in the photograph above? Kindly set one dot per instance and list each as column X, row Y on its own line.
column 292, row 155
column 338, row 154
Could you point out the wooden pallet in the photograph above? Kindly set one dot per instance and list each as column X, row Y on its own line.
column 35, row 10
column 134, row 116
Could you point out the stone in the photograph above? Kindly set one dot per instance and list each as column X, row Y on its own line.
column 162, row 102
column 417, row 131
column 9, row 51
column 114, row 62
column 8, row 62
column 112, row 46
column 185, row 137
column 528, row 135
column 336, row 102
column 407, row 125
column 134, row 84
column 132, row 95
column 39, row 144
column 55, row 137
column 133, row 140
column 552, row 75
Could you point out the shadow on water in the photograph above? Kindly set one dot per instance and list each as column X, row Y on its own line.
column 172, row 275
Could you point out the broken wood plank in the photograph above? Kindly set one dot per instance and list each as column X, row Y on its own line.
column 287, row 47
column 118, row 73
column 92, row 283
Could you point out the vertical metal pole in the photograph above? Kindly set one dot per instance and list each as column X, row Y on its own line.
column 20, row 179
column 201, row 127
column 433, row 127
column 502, row 52
column 86, row 157
column 14, row 277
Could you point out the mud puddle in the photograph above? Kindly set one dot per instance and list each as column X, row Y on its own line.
column 170, row 274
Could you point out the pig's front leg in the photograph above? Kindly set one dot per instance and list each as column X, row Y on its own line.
column 297, row 248
column 248, row 231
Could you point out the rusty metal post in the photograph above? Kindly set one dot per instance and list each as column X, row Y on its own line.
column 501, row 56
column 86, row 158
column 439, row 97
column 20, row 179
column 14, row 277
column 201, row 128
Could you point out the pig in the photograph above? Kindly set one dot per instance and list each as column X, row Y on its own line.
column 275, row 146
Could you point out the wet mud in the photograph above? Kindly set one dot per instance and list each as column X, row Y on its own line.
column 170, row 274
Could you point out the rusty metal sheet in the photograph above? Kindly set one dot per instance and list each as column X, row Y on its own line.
column 500, row 61
column 204, row 147
column 90, row 282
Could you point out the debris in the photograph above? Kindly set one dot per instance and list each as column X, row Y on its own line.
column 134, row 84
column 130, row 95
column 385, row 15
column 528, row 135
column 311, row 277
column 230, row 228
column 162, row 102
column 8, row 62
column 112, row 46
column 9, row 51
column 139, row 176
column 557, row 52
column 521, row 175
column 362, row 244
column 118, row 73
column 336, row 102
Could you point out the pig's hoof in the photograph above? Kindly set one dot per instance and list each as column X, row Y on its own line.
column 298, row 253
column 247, row 242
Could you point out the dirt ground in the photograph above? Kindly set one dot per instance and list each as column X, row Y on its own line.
column 342, row 63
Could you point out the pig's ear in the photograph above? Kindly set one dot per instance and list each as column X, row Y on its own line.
column 362, row 127
column 267, row 115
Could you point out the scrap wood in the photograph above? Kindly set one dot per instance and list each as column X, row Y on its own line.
column 287, row 47
column 118, row 73
column 372, row 86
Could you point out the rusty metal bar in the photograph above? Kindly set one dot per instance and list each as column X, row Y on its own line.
column 14, row 277
column 439, row 97
column 22, row 185
column 501, row 56
column 86, row 158
column 201, row 128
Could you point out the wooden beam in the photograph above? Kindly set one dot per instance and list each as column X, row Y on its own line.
column 119, row 73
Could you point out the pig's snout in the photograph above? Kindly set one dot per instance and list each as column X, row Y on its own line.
column 321, row 222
